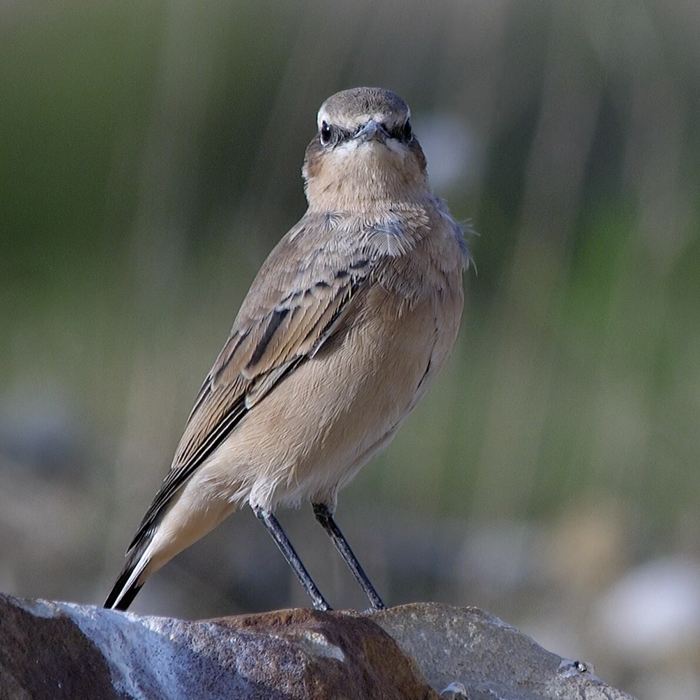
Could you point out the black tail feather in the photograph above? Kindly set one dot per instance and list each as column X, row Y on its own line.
column 118, row 598
column 125, row 600
column 121, row 597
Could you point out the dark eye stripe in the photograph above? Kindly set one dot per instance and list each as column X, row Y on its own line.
column 402, row 132
column 331, row 135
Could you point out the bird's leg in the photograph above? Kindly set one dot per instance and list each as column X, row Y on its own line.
column 325, row 517
column 289, row 553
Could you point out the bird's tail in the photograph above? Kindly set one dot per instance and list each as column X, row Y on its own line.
column 167, row 528
column 129, row 581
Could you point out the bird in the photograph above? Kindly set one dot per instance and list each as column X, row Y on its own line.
column 344, row 329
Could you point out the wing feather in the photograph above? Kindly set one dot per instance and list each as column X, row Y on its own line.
column 299, row 298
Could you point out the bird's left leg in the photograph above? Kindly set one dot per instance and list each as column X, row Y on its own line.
column 325, row 517
column 289, row 553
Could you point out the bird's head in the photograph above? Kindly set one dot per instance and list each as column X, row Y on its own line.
column 364, row 153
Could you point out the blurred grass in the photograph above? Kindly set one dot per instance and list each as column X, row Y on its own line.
column 150, row 157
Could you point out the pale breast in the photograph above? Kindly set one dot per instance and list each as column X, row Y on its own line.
column 323, row 422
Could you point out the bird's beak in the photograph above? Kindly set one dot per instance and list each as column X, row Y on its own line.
column 372, row 131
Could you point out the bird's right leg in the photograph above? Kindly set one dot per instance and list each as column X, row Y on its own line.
column 325, row 517
column 289, row 553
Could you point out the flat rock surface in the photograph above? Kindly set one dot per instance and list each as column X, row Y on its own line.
column 61, row 650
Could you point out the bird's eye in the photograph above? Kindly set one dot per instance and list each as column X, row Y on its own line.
column 326, row 133
column 402, row 132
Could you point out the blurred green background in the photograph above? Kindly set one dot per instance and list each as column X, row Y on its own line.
column 150, row 157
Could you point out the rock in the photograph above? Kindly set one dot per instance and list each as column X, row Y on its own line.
column 59, row 651
column 490, row 659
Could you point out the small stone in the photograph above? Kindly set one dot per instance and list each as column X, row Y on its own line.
column 455, row 691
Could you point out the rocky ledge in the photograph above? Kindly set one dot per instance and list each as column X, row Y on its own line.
column 58, row 651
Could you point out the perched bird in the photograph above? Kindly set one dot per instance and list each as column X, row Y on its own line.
column 344, row 329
